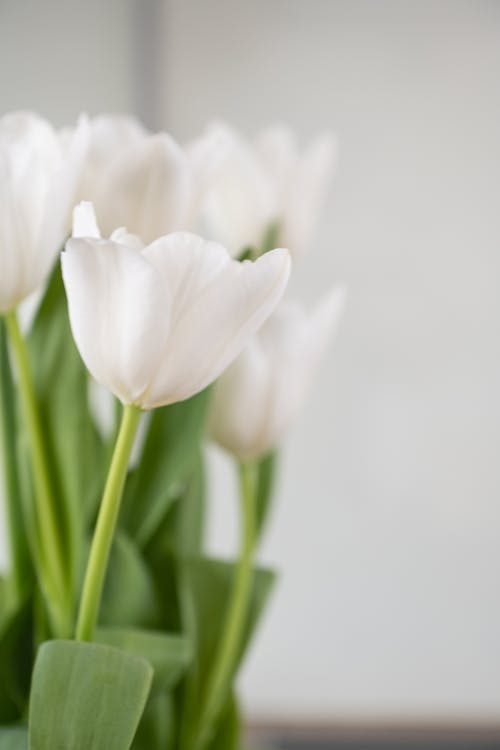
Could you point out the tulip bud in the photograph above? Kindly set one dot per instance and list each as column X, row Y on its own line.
column 146, row 181
column 257, row 399
column 268, row 185
column 39, row 174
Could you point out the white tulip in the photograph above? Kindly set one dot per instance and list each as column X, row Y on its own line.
column 259, row 396
column 39, row 174
column 110, row 137
column 269, row 183
column 157, row 325
column 146, row 181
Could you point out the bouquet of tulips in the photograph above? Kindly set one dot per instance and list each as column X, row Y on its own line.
column 126, row 342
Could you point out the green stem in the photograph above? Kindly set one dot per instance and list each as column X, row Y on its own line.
column 51, row 550
column 231, row 636
column 105, row 527
column 20, row 564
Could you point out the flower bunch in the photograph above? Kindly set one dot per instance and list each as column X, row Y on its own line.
column 116, row 630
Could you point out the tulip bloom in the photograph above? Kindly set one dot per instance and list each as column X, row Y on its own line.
column 259, row 396
column 146, row 181
column 39, row 173
column 269, row 184
column 157, row 325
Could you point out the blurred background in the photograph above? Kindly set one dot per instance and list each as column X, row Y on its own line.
column 387, row 526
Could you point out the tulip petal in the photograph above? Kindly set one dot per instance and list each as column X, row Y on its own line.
column 148, row 189
column 33, row 226
column 84, row 221
column 240, row 203
column 118, row 312
column 307, row 192
column 219, row 304
column 61, row 196
column 13, row 248
column 239, row 417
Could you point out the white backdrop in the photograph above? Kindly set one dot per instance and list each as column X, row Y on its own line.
column 387, row 530
column 388, row 526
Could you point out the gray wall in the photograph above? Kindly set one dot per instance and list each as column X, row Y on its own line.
column 62, row 57
column 387, row 533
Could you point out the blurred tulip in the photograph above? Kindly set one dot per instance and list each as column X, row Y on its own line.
column 157, row 325
column 269, row 185
column 146, row 181
column 259, row 396
column 39, row 174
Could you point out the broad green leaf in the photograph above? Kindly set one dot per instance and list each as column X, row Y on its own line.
column 205, row 588
column 228, row 731
column 157, row 726
column 86, row 696
column 169, row 453
column 16, row 656
column 129, row 597
column 182, row 528
column 74, row 446
column 265, row 486
column 13, row 738
column 169, row 654
column 207, row 585
column 22, row 572
column 190, row 512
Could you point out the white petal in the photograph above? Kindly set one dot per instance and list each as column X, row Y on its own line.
column 324, row 321
column 84, row 221
column 111, row 138
column 147, row 190
column 206, row 156
column 258, row 398
column 125, row 238
column 118, row 312
column 216, row 309
column 31, row 160
column 187, row 264
column 238, row 418
column 14, row 248
column 307, row 192
column 277, row 149
column 60, row 198
column 240, row 202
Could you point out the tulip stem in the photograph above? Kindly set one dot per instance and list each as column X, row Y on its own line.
column 49, row 539
column 106, row 522
column 237, row 611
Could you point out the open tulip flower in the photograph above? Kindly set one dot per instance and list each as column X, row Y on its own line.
column 259, row 396
column 159, row 324
column 39, row 174
column 144, row 180
column 268, row 190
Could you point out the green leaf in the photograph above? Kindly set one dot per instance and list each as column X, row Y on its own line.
column 74, row 446
column 169, row 453
column 228, row 731
column 265, row 486
column 205, row 588
column 169, row 654
column 86, row 696
column 129, row 597
column 157, row 726
column 190, row 512
column 13, row 738
column 16, row 657
column 182, row 528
